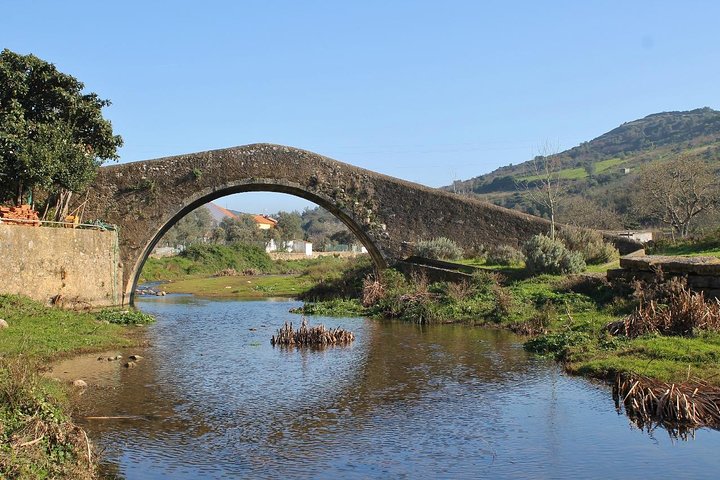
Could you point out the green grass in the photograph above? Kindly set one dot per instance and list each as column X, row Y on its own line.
column 207, row 259
column 578, row 173
column 255, row 286
column 289, row 278
column 46, row 333
column 38, row 334
column 689, row 250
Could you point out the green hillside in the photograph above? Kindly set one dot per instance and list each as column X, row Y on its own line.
column 598, row 174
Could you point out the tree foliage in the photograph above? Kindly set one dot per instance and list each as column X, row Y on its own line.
column 289, row 227
column 52, row 135
column 194, row 227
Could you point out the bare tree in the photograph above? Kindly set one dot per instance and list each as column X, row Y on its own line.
column 543, row 186
column 586, row 213
column 675, row 192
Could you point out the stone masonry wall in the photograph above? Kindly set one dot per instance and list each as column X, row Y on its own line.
column 701, row 273
column 70, row 267
column 387, row 214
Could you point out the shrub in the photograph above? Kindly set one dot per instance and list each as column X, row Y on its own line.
column 590, row 243
column 440, row 248
column 558, row 345
column 504, row 255
column 484, row 281
column 502, row 302
column 125, row 317
column 545, row 255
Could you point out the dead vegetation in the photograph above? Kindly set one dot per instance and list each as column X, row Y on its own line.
column 680, row 408
column 373, row 291
column 672, row 309
column 307, row 336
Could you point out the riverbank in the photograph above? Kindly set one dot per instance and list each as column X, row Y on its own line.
column 291, row 278
column 38, row 438
column 563, row 317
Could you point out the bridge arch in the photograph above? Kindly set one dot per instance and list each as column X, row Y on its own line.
column 386, row 214
column 254, row 185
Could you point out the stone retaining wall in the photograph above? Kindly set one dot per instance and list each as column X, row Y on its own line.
column 702, row 273
column 66, row 266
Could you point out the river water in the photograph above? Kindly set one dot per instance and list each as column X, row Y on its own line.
column 213, row 399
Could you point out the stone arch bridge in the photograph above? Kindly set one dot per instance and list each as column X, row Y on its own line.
column 144, row 199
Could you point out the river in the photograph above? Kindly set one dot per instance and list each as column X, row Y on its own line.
column 211, row 398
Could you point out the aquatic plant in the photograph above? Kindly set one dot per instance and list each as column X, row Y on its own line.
column 317, row 336
column 677, row 407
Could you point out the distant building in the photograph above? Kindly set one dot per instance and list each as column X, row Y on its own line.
column 299, row 246
column 264, row 222
column 642, row 236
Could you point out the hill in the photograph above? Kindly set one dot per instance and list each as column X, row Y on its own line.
column 598, row 174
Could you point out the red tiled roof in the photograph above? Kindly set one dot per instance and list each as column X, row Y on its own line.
column 265, row 220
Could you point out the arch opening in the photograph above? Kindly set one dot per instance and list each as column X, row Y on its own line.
column 252, row 185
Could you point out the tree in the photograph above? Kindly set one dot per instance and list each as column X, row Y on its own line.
column 194, row 227
column 243, row 229
column 289, row 227
column 584, row 212
column 52, row 136
column 675, row 192
column 543, row 186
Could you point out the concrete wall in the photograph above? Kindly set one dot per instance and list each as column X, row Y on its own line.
column 71, row 267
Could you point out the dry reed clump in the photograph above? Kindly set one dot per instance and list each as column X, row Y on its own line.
column 306, row 336
column 678, row 407
column 684, row 313
column 227, row 272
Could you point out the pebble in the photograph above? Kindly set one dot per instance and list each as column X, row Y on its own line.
column 80, row 383
column 130, row 365
column 3, row 323
column 135, row 357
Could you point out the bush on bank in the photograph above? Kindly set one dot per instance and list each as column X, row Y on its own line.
column 546, row 255
column 440, row 248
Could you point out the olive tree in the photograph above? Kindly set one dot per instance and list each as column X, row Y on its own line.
column 676, row 191
column 53, row 136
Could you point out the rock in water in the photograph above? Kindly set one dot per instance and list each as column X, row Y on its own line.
column 80, row 383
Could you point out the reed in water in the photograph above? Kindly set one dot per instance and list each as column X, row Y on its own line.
column 678, row 407
column 317, row 336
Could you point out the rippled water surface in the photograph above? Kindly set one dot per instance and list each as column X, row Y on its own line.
column 213, row 399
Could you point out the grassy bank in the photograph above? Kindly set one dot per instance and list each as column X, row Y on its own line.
column 37, row 436
column 241, row 271
column 563, row 317
column 245, row 286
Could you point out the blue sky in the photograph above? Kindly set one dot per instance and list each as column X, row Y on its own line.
column 425, row 91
